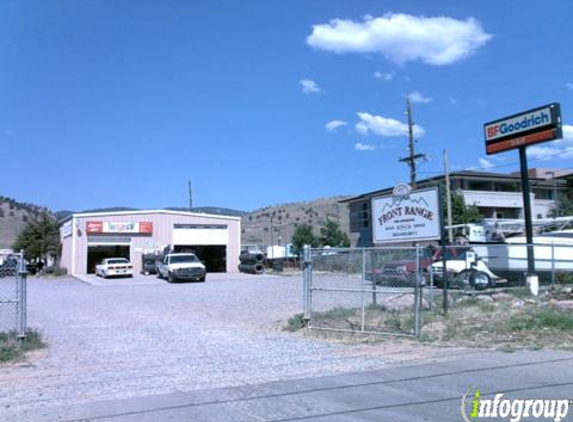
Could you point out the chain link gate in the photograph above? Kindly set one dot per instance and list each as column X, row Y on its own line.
column 13, row 295
column 363, row 290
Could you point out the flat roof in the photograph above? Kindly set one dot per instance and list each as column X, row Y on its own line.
column 465, row 174
column 140, row 212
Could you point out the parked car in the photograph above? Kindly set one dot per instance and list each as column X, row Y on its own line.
column 113, row 267
column 462, row 265
column 181, row 266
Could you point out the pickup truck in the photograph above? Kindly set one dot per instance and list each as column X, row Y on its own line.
column 461, row 263
column 181, row 266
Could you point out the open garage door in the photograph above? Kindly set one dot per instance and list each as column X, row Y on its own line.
column 214, row 256
column 98, row 252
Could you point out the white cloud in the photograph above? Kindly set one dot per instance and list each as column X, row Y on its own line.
column 569, row 85
column 383, row 126
column 334, row 124
column 559, row 149
column 485, row 164
column 418, row 98
column 359, row 146
column 402, row 38
column 385, row 76
column 537, row 152
column 309, row 86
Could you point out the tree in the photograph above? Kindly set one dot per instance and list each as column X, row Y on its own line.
column 40, row 238
column 564, row 209
column 303, row 235
column 331, row 235
column 461, row 212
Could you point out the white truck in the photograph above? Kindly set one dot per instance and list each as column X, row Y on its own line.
column 181, row 266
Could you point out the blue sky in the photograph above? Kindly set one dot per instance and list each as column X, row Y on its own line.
column 109, row 103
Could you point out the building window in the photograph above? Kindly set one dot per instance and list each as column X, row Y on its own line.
column 359, row 216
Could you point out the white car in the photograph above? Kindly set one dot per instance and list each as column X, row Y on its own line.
column 110, row 267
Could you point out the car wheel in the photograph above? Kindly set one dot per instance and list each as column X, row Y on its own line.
column 202, row 279
column 159, row 275
column 480, row 280
column 170, row 278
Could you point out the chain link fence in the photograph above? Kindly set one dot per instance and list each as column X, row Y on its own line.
column 348, row 290
column 385, row 290
column 13, row 295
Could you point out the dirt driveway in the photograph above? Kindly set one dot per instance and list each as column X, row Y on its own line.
column 132, row 339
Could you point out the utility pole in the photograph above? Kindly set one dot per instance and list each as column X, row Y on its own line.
column 412, row 158
column 190, row 195
column 448, row 197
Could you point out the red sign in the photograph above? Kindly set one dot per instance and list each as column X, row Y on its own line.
column 527, row 128
column 98, row 227
column 94, row 227
column 146, row 227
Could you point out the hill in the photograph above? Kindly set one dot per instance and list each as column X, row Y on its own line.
column 282, row 220
column 14, row 216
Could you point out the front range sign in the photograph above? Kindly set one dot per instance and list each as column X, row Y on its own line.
column 406, row 216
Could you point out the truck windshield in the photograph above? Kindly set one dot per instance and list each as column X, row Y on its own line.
column 178, row 259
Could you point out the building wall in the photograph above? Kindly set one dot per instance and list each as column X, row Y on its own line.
column 66, row 255
column 162, row 236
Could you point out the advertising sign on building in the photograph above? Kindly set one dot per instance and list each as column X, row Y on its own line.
column 529, row 127
column 66, row 229
column 406, row 215
column 98, row 227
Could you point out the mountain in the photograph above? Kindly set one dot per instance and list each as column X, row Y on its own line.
column 14, row 216
column 282, row 220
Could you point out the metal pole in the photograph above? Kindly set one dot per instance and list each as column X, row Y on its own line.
column 443, row 245
column 448, row 197
column 417, row 294
column 555, row 199
column 362, row 294
column 374, row 284
column 527, row 211
column 431, row 289
column 306, row 283
column 22, row 271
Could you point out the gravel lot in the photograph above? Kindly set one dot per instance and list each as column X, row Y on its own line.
column 131, row 339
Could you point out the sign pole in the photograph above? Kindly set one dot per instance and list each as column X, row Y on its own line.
column 527, row 210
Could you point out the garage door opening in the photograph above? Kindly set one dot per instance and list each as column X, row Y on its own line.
column 97, row 253
column 214, row 256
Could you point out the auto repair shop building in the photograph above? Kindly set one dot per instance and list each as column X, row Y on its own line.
column 87, row 238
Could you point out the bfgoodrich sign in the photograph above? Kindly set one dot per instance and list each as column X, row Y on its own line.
column 406, row 216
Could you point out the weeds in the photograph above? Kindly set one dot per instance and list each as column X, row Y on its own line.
column 11, row 349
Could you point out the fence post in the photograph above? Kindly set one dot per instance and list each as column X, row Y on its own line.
column 306, row 283
column 417, row 295
column 431, row 288
column 362, row 288
column 552, row 266
column 374, row 284
column 22, row 271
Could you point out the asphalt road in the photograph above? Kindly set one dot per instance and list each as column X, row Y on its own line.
column 424, row 392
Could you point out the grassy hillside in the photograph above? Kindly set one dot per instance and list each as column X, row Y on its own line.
column 13, row 217
column 257, row 225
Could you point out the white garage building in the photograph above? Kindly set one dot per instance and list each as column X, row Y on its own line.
column 87, row 238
